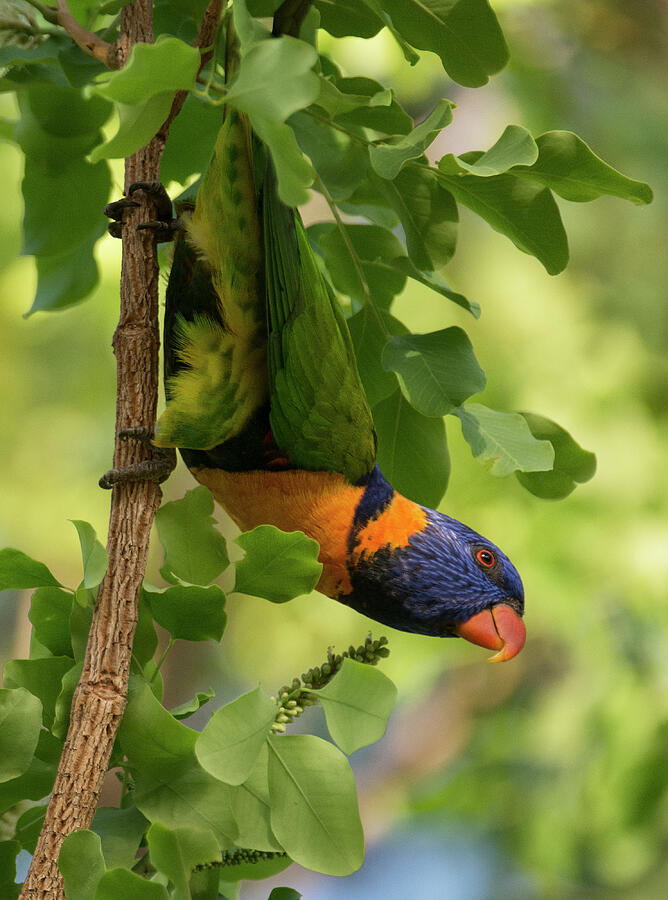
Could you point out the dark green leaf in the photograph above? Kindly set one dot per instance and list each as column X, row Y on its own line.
column 366, row 201
column 358, row 703
column 120, row 831
column 284, row 893
column 428, row 215
column 568, row 166
column 278, row 566
column 50, row 610
column 572, row 464
column 65, row 279
column 389, row 157
column 465, row 34
column 389, row 117
column 293, row 169
column 194, row 550
column 521, row 209
column 503, row 441
column 9, row 889
column 192, row 136
column 94, row 555
column 19, row 572
column 190, row 612
column 515, row 147
column 436, row 371
column 314, row 811
column 28, row 827
column 34, row 784
column 412, row 450
column 369, row 330
column 176, row 852
column 229, row 745
column 81, row 864
column 20, row 725
column 146, row 639
column 42, row 677
column 61, row 719
column 117, row 883
column 347, row 17
column 340, row 162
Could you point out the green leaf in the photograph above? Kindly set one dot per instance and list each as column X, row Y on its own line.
column 20, row 725
column 93, row 554
column 284, row 893
column 293, row 170
column 194, row 550
column 176, row 852
column 191, row 797
column 192, row 134
column 436, row 371
column 252, row 811
column 340, row 162
column 389, row 157
column 568, row 166
column 376, row 113
column 278, row 565
column 230, row 743
column 434, row 281
column 81, row 864
column 117, row 883
column 464, row 34
column 503, row 441
column 358, row 703
column 190, row 612
column 428, row 215
column 275, row 79
column 120, row 831
column 146, row 639
column 523, row 210
column 19, row 572
column 412, row 450
column 369, row 329
column 8, row 886
column 151, row 738
column 28, row 827
column 185, row 710
column 65, row 279
column 63, row 705
column 348, row 17
column 42, row 677
column 572, row 464
column 314, row 811
column 50, row 610
column 168, row 65
column 515, row 147
column 34, row 784
column 137, row 123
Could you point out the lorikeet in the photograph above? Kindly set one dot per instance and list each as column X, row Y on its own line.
column 266, row 406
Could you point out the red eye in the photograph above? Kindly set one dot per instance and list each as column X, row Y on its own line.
column 486, row 558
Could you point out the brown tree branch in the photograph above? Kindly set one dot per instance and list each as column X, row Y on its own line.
column 100, row 697
column 91, row 43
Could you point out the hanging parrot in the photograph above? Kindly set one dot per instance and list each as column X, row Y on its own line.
column 265, row 404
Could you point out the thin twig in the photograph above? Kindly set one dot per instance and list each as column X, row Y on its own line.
column 89, row 42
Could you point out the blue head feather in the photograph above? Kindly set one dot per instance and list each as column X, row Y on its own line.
column 436, row 581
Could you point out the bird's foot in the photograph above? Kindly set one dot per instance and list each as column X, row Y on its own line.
column 164, row 226
column 157, row 469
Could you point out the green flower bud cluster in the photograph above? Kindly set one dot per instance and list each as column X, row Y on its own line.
column 295, row 697
column 242, row 857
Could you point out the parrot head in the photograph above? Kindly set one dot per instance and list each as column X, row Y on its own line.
column 444, row 580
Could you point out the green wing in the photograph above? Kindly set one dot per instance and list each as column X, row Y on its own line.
column 319, row 412
column 215, row 320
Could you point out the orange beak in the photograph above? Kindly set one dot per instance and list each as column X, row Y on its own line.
column 498, row 628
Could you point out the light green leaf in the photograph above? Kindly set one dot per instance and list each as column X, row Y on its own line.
column 572, row 464
column 190, row 612
column 568, row 166
column 121, row 831
column 93, row 554
column 19, row 572
column 293, row 170
column 523, row 210
column 389, row 157
column 50, row 610
column 358, row 703
column 465, row 34
column 152, row 739
column 251, row 809
column 229, row 745
column 176, row 852
column 348, row 17
column 412, row 450
column 381, row 112
column 137, row 123
column 65, row 279
column 168, row 65
column 314, row 811
column 117, row 883
column 515, row 147
column 503, row 441
column 185, row 710
column 194, row 550
column 278, row 565
column 81, row 864
column 20, row 725
column 42, row 677
column 436, row 371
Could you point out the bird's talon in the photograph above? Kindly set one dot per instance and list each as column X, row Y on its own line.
column 156, row 469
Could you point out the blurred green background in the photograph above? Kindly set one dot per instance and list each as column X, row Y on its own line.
column 548, row 776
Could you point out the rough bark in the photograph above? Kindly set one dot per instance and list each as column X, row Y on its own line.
column 100, row 698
